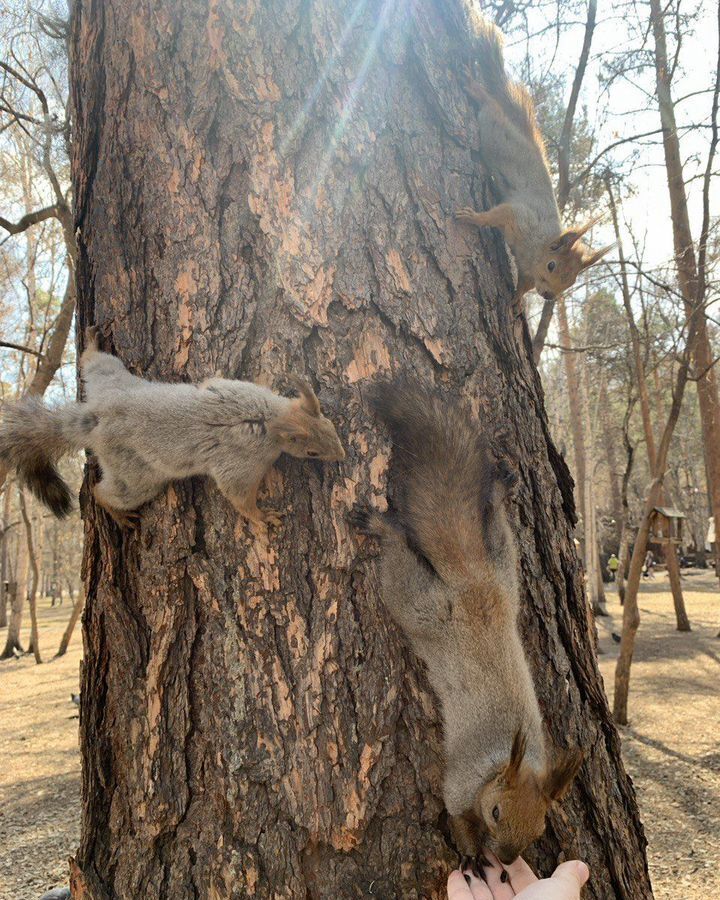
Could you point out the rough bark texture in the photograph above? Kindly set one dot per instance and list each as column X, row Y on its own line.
column 263, row 188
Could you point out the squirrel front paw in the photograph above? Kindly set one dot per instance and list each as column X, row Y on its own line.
column 466, row 215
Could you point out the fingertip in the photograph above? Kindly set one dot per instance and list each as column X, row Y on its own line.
column 457, row 888
column 575, row 869
column 583, row 871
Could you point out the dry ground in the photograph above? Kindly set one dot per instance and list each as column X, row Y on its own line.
column 671, row 747
column 672, row 744
column 39, row 762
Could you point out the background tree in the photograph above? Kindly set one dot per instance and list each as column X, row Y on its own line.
column 251, row 721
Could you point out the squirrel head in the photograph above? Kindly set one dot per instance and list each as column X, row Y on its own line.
column 562, row 259
column 303, row 430
column 508, row 811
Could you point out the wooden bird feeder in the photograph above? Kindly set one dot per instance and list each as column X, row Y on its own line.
column 666, row 525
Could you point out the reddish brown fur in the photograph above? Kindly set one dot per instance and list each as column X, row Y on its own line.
column 522, row 799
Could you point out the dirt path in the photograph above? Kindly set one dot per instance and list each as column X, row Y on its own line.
column 39, row 763
column 672, row 744
column 671, row 748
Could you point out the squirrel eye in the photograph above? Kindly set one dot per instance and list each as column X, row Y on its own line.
column 496, row 813
column 313, row 453
column 551, row 265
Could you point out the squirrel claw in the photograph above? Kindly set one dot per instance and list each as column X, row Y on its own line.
column 465, row 214
column 475, row 865
column 92, row 337
column 125, row 518
column 359, row 518
column 272, row 518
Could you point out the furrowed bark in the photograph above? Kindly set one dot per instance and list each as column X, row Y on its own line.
column 260, row 189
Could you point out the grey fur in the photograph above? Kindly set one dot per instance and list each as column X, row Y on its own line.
column 147, row 434
column 449, row 578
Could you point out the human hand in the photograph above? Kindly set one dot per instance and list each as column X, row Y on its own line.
column 518, row 880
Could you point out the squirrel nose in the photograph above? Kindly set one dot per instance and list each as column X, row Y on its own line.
column 547, row 295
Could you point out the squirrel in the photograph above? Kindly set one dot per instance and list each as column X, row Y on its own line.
column 146, row 434
column 547, row 257
column 448, row 577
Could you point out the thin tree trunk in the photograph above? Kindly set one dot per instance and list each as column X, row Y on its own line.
column 671, row 562
column 252, row 724
column 35, row 576
column 4, row 556
column 625, row 532
column 631, row 612
column 611, row 458
column 673, row 568
column 74, row 616
column 17, row 605
column 563, row 162
column 686, row 261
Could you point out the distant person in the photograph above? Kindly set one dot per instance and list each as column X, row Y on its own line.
column 613, row 565
column 649, row 565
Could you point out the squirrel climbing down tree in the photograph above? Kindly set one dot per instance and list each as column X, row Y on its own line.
column 146, row 434
column 449, row 578
column 548, row 258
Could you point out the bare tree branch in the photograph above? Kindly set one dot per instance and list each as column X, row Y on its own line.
column 20, row 347
column 30, row 219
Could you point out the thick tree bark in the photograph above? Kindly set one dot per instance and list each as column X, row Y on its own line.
column 265, row 188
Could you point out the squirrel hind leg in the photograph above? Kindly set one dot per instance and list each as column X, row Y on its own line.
column 125, row 518
column 367, row 520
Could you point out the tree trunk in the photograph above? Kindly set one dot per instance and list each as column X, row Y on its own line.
column 673, row 568
column 34, row 647
column 631, row 612
column 686, row 262
column 683, row 623
column 74, row 616
column 266, row 188
column 4, row 556
column 12, row 643
column 609, row 437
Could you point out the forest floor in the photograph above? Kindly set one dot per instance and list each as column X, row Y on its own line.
column 39, row 761
column 671, row 746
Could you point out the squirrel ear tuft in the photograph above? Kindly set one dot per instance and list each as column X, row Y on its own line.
column 309, row 401
column 517, row 754
column 569, row 238
column 596, row 256
column 562, row 773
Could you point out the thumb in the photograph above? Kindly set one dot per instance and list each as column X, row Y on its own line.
column 574, row 873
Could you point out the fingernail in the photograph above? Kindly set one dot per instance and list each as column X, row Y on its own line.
column 583, row 872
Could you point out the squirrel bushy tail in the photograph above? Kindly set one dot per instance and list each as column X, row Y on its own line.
column 448, row 486
column 512, row 97
column 32, row 440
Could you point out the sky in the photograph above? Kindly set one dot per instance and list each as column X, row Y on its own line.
column 630, row 108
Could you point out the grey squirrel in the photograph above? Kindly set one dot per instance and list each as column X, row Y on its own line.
column 449, row 578
column 146, row 434
column 548, row 258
